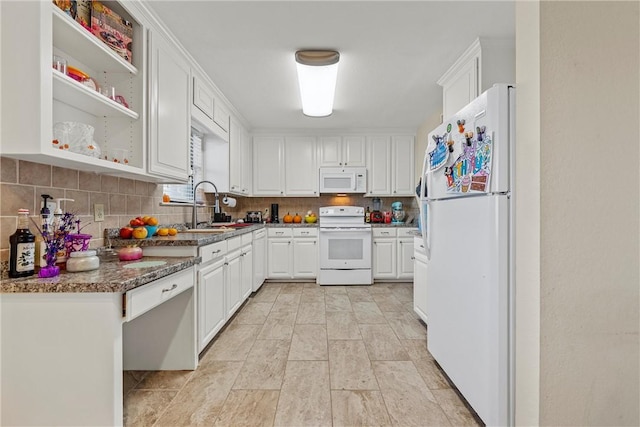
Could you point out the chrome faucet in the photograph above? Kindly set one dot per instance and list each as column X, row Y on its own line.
column 216, row 208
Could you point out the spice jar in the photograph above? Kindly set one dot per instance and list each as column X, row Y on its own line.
column 82, row 261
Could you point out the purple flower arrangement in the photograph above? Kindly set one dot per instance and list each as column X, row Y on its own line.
column 54, row 236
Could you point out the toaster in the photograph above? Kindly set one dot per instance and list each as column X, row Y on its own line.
column 254, row 217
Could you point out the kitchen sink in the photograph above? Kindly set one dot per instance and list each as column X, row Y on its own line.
column 208, row 230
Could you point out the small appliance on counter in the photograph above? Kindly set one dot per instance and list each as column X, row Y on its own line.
column 397, row 213
column 376, row 215
column 274, row 213
column 254, row 217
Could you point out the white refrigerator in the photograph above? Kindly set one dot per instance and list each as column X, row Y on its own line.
column 467, row 228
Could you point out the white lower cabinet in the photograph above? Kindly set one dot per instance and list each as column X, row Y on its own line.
column 234, row 275
column 225, row 281
column 305, row 253
column 212, row 314
column 405, row 258
column 392, row 253
column 246, row 263
column 259, row 258
column 292, row 253
column 279, row 253
column 420, row 280
column 384, row 257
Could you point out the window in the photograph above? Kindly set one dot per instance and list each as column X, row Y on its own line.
column 184, row 192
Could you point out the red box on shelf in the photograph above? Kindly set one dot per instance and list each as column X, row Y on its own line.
column 109, row 27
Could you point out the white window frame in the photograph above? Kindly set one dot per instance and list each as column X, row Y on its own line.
column 184, row 192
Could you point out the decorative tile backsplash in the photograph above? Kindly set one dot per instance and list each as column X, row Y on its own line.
column 22, row 183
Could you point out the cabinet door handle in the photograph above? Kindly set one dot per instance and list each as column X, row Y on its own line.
column 170, row 289
column 226, row 263
column 413, row 257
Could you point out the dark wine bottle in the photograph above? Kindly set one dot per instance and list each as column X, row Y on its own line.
column 23, row 248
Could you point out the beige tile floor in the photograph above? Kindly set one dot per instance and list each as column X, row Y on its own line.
column 298, row 354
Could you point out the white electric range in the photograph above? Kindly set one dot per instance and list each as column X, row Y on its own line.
column 345, row 247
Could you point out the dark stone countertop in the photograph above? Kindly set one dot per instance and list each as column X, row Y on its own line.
column 111, row 276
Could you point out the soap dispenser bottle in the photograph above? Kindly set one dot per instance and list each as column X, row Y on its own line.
column 46, row 218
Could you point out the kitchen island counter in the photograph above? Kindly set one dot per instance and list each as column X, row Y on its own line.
column 111, row 276
column 67, row 339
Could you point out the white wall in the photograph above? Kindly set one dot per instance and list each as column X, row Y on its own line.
column 589, row 183
column 527, row 213
column 427, row 126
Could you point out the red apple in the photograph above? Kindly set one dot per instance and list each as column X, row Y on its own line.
column 136, row 222
column 126, row 232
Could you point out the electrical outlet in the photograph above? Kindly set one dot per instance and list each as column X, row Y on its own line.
column 98, row 212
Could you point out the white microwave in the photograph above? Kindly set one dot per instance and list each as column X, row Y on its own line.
column 343, row 180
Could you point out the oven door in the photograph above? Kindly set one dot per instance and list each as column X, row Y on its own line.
column 345, row 248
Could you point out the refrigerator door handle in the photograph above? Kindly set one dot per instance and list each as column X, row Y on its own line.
column 427, row 240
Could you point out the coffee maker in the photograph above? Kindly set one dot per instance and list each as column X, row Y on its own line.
column 274, row 213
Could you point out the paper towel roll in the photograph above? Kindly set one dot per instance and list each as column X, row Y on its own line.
column 229, row 201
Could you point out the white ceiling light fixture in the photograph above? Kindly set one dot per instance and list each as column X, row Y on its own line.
column 317, row 74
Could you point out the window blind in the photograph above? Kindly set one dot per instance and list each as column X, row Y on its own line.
column 184, row 192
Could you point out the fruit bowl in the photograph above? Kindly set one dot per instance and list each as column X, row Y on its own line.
column 151, row 230
column 310, row 219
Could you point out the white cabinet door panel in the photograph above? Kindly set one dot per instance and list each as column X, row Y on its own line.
column 170, row 121
column 268, row 162
column 301, row 177
column 379, row 165
column 211, row 302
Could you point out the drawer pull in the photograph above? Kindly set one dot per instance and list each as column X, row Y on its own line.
column 170, row 289
column 216, row 252
column 413, row 257
column 279, row 232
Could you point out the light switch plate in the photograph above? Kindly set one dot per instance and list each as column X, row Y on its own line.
column 98, row 212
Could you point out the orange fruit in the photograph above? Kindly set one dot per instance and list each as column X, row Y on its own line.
column 163, row 231
column 152, row 220
column 140, row 233
column 173, row 232
column 146, row 219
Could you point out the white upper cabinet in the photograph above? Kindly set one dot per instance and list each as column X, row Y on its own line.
column 342, row 151
column 221, row 115
column 353, row 151
column 170, row 114
column 29, row 115
column 485, row 63
column 403, row 166
column 268, row 166
column 390, row 165
column 239, row 159
column 202, row 96
column 301, row 167
column 379, row 166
